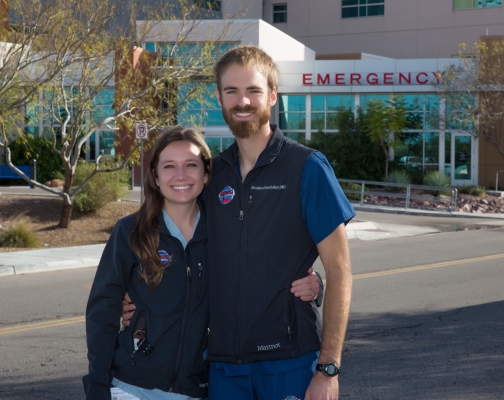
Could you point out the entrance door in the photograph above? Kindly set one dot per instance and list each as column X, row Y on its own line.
column 462, row 165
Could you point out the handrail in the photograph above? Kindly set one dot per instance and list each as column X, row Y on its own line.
column 497, row 180
column 408, row 196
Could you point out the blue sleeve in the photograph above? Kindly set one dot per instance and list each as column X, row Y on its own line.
column 324, row 204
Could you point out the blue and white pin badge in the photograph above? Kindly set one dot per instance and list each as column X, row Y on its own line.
column 226, row 195
column 164, row 257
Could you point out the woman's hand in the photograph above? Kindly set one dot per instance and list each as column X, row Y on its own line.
column 128, row 308
column 306, row 288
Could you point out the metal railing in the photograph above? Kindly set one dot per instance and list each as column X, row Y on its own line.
column 409, row 196
column 497, row 180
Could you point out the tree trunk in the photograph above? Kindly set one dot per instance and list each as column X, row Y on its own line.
column 66, row 214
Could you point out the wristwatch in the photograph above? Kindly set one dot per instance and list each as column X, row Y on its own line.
column 329, row 369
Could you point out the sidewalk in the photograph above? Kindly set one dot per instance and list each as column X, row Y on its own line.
column 26, row 262
column 32, row 261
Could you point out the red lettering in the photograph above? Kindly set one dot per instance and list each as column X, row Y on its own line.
column 407, row 79
column 340, row 79
column 307, row 79
column 322, row 81
column 418, row 78
column 388, row 78
column 438, row 76
column 355, row 78
column 374, row 81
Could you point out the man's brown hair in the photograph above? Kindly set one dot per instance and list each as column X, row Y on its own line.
column 248, row 56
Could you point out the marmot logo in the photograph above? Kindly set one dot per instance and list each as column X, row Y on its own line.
column 268, row 347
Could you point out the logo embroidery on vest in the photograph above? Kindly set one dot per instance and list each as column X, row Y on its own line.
column 226, row 195
column 164, row 257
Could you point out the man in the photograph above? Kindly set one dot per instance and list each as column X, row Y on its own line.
column 273, row 207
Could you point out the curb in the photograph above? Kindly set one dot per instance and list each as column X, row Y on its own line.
column 425, row 213
column 27, row 262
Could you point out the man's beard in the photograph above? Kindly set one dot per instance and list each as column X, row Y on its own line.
column 246, row 129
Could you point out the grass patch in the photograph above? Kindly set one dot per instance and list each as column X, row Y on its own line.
column 472, row 190
column 19, row 233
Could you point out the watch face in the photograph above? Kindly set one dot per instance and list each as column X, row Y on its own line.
column 331, row 369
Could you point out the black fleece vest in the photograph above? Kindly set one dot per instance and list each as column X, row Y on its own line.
column 258, row 245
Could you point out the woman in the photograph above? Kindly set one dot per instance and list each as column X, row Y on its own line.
column 158, row 257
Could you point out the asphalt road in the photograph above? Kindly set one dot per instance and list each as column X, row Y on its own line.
column 427, row 322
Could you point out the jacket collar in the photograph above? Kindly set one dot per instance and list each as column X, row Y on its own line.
column 267, row 156
column 199, row 234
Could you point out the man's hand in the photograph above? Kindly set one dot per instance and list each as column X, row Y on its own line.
column 322, row 388
column 128, row 308
column 306, row 288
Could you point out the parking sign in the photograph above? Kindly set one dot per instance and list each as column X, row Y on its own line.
column 141, row 131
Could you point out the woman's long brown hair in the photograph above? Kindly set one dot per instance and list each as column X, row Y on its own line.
column 144, row 237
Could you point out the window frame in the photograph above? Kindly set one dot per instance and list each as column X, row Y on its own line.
column 360, row 6
column 475, row 5
column 279, row 12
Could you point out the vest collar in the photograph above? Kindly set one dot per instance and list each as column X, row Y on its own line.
column 267, row 156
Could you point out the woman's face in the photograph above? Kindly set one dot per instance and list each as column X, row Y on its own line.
column 180, row 173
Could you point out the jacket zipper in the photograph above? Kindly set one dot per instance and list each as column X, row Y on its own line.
column 182, row 329
column 200, row 277
column 238, row 336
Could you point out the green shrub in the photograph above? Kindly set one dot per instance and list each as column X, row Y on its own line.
column 472, row 190
column 436, row 178
column 19, row 233
column 102, row 188
column 49, row 165
column 398, row 176
column 351, row 186
column 350, row 151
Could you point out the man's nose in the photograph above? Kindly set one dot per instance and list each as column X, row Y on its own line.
column 243, row 100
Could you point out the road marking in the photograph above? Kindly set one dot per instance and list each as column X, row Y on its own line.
column 81, row 319
column 41, row 325
column 428, row 266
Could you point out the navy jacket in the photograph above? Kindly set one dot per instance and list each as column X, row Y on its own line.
column 174, row 316
column 259, row 244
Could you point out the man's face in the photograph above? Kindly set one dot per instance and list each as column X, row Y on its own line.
column 245, row 99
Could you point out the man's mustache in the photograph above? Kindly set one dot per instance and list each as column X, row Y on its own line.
column 246, row 109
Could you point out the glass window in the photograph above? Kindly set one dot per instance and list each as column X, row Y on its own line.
column 103, row 104
column 214, row 5
column 106, row 143
column 279, row 13
column 458, row 111
column 325, row 110
column 218, row 144
column 362, row 8
column 292, row 121
column 292, row 112
column 200, row 110
column 366, row 98
column 214, row 144
column 470, row 4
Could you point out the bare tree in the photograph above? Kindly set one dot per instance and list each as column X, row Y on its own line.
column 74, row 53
column 473, row 91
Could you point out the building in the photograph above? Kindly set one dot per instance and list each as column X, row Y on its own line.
column 391, row 28
column 311, row 90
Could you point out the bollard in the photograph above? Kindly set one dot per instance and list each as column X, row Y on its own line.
column 33, row 172
column 132, row 177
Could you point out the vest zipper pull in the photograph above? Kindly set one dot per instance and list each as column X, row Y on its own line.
column 189, row 272
column 241, row 215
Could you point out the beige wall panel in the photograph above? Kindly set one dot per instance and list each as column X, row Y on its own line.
column 378, row 43
column 248, row 9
